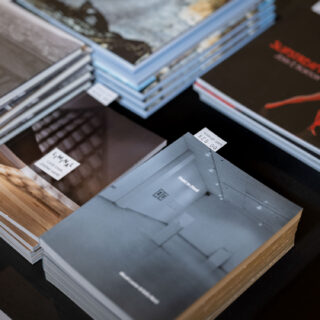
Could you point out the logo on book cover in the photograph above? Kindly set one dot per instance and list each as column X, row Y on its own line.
column 160, row 194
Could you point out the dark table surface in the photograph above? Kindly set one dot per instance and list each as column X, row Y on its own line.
column 289, row 290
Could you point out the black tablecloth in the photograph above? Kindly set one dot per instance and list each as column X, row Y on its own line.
column 290, row 289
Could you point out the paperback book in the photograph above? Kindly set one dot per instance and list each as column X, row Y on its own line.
column 62, row 161
column 149, row 53
column 281, row 69
column 179, row 237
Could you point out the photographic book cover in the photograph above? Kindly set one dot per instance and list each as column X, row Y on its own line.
column 278, row 75
column 62, row 161
column 132, row 29
column 28, row 46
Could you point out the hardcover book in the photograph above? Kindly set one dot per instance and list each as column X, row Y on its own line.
column 179, row 237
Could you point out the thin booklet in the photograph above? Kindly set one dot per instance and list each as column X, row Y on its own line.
column 179, row 237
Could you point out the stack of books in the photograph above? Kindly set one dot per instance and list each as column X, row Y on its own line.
column 179, row 237
column 150, row 52
column 272, row 85
column 40, row 68
column 62, row 161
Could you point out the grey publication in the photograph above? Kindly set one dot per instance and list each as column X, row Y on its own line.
column 162, row 235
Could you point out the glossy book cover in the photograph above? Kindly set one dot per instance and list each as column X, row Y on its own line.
column 103, row 142
column 132, row 29
column 278, row 77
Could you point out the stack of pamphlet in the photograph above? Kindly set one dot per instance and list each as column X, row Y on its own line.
column 40, row 68
column 149, row 52
column 272, row 85
column 179, row 237
column 60, row 162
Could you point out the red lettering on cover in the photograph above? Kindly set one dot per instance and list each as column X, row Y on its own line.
column 278, row 46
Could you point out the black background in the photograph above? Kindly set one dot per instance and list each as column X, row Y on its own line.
column 289, row 290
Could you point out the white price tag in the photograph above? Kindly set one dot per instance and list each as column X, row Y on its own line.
column 57, row 164
column 316, row 7
column 102, row 94
column 210, row 139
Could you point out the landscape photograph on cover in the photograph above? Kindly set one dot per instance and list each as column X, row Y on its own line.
column 28, row 46
column 132, row 29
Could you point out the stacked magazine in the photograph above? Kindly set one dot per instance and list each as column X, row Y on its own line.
column 40, row 68
column 148, row 52
column 62, row 161
column 272, row 85
column 180, row 236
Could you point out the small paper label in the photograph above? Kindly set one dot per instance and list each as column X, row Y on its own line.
column 57, row 164
column 210, row 139
column 316, row 7
column 102, row 94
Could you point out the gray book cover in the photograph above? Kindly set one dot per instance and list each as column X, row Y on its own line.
column 29, row 46
column 161, row 236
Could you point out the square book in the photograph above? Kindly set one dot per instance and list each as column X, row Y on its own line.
column 179, row 237
column 40, row 67
column 149, row 53
column 63, row 160
column 272, row 85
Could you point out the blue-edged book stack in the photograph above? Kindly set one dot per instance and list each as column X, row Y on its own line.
column 179, row 237
column 150, row 52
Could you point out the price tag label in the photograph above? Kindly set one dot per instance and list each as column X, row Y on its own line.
column 210, row 139
column 102, row 94
column 316, row 7
column 57, row 164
